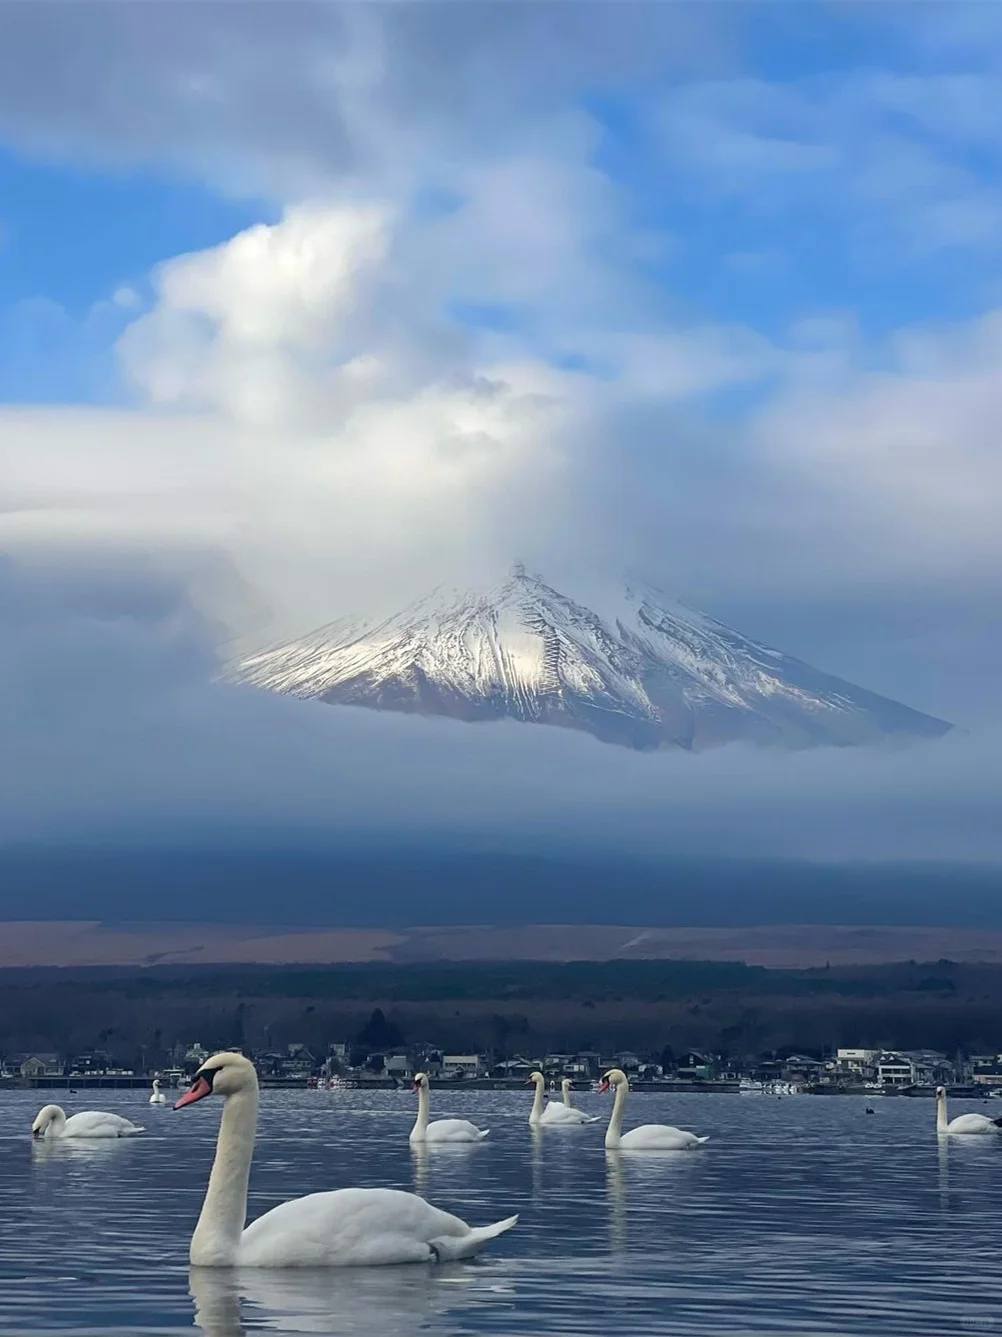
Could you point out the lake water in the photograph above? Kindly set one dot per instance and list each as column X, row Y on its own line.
column 803, row 1216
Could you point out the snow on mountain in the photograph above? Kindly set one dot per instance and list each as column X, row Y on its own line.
column 645, row 671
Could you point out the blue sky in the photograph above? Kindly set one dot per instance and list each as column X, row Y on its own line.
column 72, row 237
column 829, row 162
column 309, row 307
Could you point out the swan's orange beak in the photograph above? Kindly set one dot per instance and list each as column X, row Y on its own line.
column 603, row 1086
column 200, row 1088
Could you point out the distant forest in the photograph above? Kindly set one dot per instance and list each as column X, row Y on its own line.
column 506, row 1008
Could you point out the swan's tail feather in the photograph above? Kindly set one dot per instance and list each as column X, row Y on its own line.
column 451, row 1248
column 483, row 1132
column 592, row 1118
column 701, row 1140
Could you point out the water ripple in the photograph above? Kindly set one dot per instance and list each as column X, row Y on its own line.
column 800, row 1216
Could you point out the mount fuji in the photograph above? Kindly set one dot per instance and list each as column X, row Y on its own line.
column 635, row 668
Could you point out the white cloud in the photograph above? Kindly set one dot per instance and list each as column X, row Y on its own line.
column 907, row 455
column 312, row 415
column 260, row 326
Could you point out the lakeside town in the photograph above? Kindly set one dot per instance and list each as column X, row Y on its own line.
column 346, row 1065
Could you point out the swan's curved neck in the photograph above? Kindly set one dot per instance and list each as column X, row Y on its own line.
column 224, row 1211
column 568, row 1099
column 941, row 1124
column 423, row 1110
column 537, row 1103
column 614, row 1131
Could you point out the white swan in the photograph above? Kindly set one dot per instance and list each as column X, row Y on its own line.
column 649, row 1136
column 442, row 1130
column 349, row 1227
column 539, row 1097
column 51, row 1121
column 565, row 1115
column 963, row 1123
column 158, row 1097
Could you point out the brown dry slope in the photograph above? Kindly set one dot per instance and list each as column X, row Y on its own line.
column 90, row 943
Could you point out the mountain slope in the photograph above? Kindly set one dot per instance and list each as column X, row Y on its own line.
column 646, row 671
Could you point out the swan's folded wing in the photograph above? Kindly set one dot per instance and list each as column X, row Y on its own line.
column 566, row 1115
column 356, row 1227
column 97, row 1123
column 660, row 1137
column 453, row 1130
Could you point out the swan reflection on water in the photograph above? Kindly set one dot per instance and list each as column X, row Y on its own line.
column 342, row 1302
column 61, row 1149
column 448, row 1158
column 536, row 1162
column 615, row 1191
column 646, row 1177
column 963, row 1150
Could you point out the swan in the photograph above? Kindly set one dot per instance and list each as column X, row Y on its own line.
column 539, row 1098
column 649, row 1136
column 350, row 1226
column 442, row 1130
column 565, row 1114
column 51, row 1121
column 158, row 1097
column 963, row 1123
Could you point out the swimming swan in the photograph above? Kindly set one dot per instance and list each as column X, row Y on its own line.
column 963, row 1123
column 649, row 1136
column 51, row 1121
column 565, row 1115
column 442, row 1130
column 348, row 1227
column 158, row 1097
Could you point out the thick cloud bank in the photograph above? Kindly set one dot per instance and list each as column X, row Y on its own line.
column 113, row 729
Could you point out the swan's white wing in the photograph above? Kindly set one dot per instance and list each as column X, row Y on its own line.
column 359, row 1227
column 96, row 1123
column 660, row 1137
column 566, row 1115
column 454, row 1130
column 973, row 1123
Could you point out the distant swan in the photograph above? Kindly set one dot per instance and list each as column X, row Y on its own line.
column 348, row 1227
column 51, row 1121
column 564, row 1114
column 963, row 1123
column 649, row 1136
column 441, row 1130
column 158, row 1097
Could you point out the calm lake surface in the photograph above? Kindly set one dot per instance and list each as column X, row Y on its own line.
column 803, row 1216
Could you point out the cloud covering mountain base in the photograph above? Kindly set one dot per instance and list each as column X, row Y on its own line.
column 114, row 732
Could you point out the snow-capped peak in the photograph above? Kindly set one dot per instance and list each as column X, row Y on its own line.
column 633, row 666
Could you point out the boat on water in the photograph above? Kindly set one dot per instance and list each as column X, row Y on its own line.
column 748, row 1087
